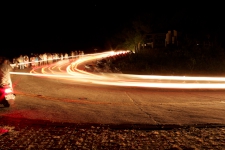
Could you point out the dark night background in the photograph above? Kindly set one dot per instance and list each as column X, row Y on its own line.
column 55, row 27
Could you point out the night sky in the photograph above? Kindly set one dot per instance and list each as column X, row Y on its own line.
column 56, row 27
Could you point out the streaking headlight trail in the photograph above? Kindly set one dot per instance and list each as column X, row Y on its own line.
column 73, row 70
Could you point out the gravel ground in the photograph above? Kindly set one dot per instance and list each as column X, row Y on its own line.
column 36, row 134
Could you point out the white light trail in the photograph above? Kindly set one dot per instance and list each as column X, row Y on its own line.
column 73, row 71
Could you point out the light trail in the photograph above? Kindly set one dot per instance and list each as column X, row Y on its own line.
column 73, row 71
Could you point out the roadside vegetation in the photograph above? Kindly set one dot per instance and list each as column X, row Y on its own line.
column 207, row 61
column 189, row 57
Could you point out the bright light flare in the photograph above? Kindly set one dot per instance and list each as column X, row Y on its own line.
column 8, row 90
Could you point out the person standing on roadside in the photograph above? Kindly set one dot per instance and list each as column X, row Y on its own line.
column 26, row 61
column 5, row 69
column 21, row 62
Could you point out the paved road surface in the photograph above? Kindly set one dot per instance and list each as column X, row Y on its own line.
column 42, row 101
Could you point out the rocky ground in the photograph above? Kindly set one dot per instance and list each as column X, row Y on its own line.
column 34, row 134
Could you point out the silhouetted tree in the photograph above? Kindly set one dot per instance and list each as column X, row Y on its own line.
column 133, row 33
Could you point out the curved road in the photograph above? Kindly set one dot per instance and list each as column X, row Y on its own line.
column 63, row 92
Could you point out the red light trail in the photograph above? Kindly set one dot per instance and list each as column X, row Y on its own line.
column 72, row 70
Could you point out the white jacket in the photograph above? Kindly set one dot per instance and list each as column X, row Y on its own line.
column 5, row 74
